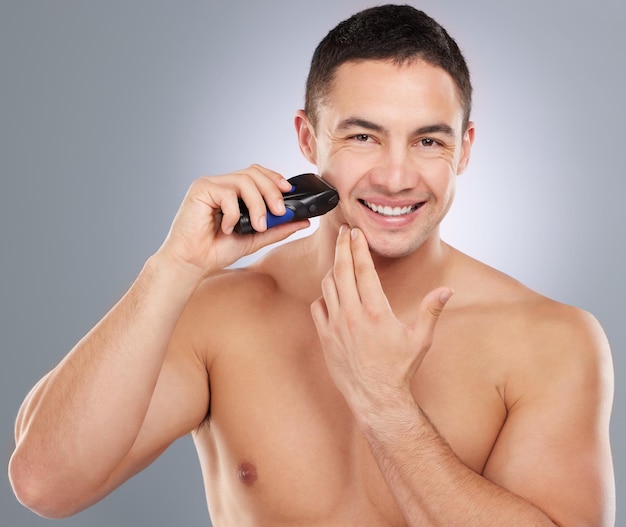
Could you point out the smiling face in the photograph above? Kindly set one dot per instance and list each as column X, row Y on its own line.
column 390, row 139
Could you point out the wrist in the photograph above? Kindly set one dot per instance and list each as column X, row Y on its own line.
column 181, row 277
column 386, row 411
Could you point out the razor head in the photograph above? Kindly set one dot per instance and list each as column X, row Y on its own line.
column 310, row 196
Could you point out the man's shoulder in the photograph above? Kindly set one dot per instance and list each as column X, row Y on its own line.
column 228, row 306
column 236, row 287
column 243, row 292
column 535, row 319
column 556, row 345
column 534, row 341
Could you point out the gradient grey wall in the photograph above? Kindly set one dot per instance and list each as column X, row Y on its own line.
column 108, row 111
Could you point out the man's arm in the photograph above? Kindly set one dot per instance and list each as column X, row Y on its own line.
column 76, row 431
column 129, row 387
column 554, row 448
column 431, row 485
column 551, row 463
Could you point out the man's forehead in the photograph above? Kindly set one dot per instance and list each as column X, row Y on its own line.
column 413, row 76
column 375, row 90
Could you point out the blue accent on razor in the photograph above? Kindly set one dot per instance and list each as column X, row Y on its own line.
column 309, row 196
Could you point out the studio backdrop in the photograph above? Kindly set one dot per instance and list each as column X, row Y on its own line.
column 110, row 109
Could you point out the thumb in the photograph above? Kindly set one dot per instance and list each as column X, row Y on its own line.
column 275, row 234
column 429, row 312
column 435, row 301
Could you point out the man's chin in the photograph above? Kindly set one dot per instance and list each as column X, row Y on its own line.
column 393, row 249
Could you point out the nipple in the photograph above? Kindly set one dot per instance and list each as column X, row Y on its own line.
column 246, row 473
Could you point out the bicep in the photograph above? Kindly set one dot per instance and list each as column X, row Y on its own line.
column 179, row 405
column 554, row 449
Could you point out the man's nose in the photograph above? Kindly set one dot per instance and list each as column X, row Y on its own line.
column 396, row 170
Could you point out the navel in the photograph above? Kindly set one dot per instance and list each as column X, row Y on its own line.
column 246, row 473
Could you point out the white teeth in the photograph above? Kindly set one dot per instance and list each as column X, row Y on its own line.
column 390, row 211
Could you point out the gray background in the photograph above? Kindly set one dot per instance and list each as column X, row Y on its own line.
column 108, row 111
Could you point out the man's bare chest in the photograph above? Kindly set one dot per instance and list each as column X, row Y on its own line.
column 279, row 427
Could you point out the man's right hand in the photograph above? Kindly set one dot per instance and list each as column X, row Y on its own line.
column 133, row 376
column 201, row 239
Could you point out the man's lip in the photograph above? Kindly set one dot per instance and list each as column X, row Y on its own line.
column 392, row 209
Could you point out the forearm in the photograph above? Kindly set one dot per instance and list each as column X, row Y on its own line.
column 431, row 485
column 89, row 409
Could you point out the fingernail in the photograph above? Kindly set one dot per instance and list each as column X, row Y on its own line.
column 342, row 229
column 280, row 205
column 262, row 223
column 354, row 234
column 444, row 296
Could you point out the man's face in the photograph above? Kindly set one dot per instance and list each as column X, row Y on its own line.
column 389, row 138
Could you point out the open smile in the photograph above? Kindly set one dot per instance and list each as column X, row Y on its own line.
column 389, row 211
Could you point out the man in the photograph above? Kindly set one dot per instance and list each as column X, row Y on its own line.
column 369, row 374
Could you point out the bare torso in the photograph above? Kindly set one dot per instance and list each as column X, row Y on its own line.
column 281, row 447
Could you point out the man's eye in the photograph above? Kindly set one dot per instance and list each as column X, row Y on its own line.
column 428, row 142
column 362, row 138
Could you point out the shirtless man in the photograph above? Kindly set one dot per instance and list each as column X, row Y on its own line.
column 326, row 384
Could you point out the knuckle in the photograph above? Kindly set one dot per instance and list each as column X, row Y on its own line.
column 198, row 185
column 361, row 268
column 327, row 280
column 424, row 345
column 352, row 322
column 373, row 313
column 256, row 173
column 244, row 180
column 342, row 268
column 434, row 312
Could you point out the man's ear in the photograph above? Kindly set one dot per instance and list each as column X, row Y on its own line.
column 466, row 147
column 306, row 137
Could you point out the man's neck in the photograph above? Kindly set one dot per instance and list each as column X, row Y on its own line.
column 406, row 278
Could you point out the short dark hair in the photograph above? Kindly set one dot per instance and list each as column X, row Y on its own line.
column 399, row 33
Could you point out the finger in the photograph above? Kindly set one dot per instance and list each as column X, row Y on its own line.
column 343, row 271
column 430, row 311
column 368, row 284
column 255, row 192
column 218, row 197
column 319, row 313
column 227, row 200
column 330, row 294
column 275, row 177
column 259, row 188
column 271, row 185
column 275, row 234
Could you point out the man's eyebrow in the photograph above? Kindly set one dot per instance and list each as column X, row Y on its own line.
column 440, row 128
column 357, row 122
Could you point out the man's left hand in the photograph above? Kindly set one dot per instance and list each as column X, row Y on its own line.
column 370, row 354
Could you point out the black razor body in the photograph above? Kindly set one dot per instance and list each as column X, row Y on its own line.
column 310, row 196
